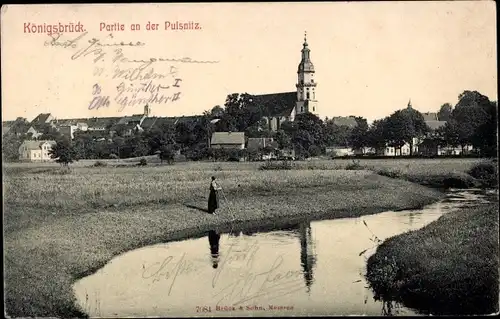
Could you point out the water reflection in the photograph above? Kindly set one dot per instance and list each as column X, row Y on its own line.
column 315, row 268
column 213, row 240
column 302, row 230
column 307, row 255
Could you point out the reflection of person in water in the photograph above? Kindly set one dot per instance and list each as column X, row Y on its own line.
column 213, row 239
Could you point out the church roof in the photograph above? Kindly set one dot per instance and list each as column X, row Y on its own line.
column 276, row 104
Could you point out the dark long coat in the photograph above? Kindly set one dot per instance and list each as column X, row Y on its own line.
column 213, row 199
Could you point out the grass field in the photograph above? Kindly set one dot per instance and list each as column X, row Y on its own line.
column 448, row 267
column 61, row 226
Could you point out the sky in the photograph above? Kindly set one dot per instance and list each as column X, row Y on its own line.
column 370, row 57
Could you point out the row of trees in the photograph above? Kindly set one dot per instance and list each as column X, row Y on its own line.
column 471, row 122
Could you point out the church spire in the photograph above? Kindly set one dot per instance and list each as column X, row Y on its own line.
column 305, row 63
column 409, row 104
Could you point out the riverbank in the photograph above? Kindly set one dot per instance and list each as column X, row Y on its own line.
column 449, row 267
column 61, row 227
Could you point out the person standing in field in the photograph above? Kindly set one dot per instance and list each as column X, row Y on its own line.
column 213, row 198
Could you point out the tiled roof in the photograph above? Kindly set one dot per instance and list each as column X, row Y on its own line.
column 261, row 142
column 102, row 121
column 228, row 138
column 133, row 118
column 276, row 104
column 152, row 122
column 62, row 122
column 36, row 145
column 183, row 119
column 345, row 121
column 149, row 123
column 6, row 128
column 41, row 118
column 430, row 116
column 433, row 125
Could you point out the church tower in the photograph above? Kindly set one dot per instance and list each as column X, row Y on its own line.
column 147, row 110
column 306, row 85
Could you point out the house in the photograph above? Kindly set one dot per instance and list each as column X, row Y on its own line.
column 35, row 131
column 31, row 150
column 428, row 116
column 260, row 144
column 339, row 150
column 364, row 151
column 228, row 140
column 434, row 124
column 68, row 130
column 385, row 151
column 42, row 118
column 101, row 123
column 287, row 153
column 17, row 127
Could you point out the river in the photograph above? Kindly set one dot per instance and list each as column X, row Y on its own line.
column 311, row 268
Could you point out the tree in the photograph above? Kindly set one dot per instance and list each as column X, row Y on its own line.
column 336, row 134
column 450, row 134
column 63, row 152
column 216, row 111
column 485, row 137
column 359, row 134
column 474, row 114
column 444, row 113
column 283, row 140
column 10, row 147
column 167, row 153
column 305, row 131
column 186, row 134
column 377, row 136
column 240, row 112
column 403, row 126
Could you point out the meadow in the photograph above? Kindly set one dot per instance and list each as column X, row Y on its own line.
column 62, row 225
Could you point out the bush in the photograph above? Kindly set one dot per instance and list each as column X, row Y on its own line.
column 100, row 164
column 143, row 162
column 390, row 173
column 113, row 156
column 276, row 165
column 486, row 173
column 354, row 166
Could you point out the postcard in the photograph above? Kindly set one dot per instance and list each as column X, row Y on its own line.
column 250, row 159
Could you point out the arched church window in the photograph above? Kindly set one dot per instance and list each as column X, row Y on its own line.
column 312, row 80
column 302, row 109
column 308, row 95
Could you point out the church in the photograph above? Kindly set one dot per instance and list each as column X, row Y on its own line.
column 281, row 107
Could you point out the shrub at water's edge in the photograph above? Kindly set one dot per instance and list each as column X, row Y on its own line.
column 448, row 267
column 483, row 174
column 486, row 173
